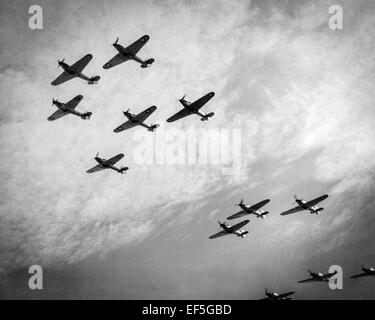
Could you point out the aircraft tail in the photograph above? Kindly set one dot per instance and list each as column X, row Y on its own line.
column 86, row 115
column 222, row 224
column 147, row 63
column 153, row 127
column 207, row 116
column 243, row 234
column 94, row 80
column 123, row 169
column 263, row 215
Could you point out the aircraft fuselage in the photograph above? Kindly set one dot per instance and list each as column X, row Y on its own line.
column 107, row 166
column 238, row 233
column 131, row 117
column 62, row 107
column 69, row 70
column 369, row 271
column 246, row 209
column 128, row 55
column 303, row 206
column 186, row 105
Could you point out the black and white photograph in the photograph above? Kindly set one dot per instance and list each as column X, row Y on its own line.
column 206, row 150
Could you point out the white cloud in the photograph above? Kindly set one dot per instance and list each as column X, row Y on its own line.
column 291, row 88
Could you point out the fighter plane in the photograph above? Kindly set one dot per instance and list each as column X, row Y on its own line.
column 193, row 108
column 227, row 229
column 108, row 164
column 137, row 120
column 366, row 272
column 317, row 276
column 74, row 71
column 306, row 205
column 68, row 108
column 129, row 53
column 254, row 209
column 276, row 296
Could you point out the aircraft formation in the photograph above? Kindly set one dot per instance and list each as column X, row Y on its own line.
column 130, row 52
column 302, row 205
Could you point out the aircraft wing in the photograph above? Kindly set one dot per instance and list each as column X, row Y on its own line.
column 96, row 169
column 237, row 215
column 74, row 102
column 359, row 275
column 56, row 115
column 328, row 276
column 81, row 63
column 145, row 114
column 179, row 115
column 239, row 225
column 201, row 101
column 126, row 125
column 114, row 159
column 117, row 59
column 65, row 76
column 294, row 210
column 137, row 45
column 219, row 234
column 307, row 280
column 315, row 201
column 286, row 294
column 259, row 205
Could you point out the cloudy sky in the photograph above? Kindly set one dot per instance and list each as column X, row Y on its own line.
column 300, row 93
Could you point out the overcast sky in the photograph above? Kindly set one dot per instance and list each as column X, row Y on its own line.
column 300, row 93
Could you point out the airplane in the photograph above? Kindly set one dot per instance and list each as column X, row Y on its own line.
column 317, row 276
column 137, row 120
column 227, row 229
column 68, row 108
column 129, row 53
column 74, row 71
column 366, row 272
column 193, row 108
column 254, row 209
column 108, row 164
column 276, row 296
column 306, row 205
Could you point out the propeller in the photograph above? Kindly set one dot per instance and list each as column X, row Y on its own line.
column 97, row 155
column 53, row 102
column 296, row 198
column 239, row 204
column 60, row 62
column 183, row 98
column 116, row 41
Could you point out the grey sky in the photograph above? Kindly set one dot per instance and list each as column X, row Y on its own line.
column 301, row 94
